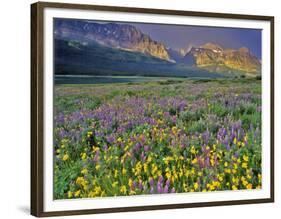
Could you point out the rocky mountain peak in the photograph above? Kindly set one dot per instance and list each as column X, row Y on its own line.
column 121, row 36
column 215, row 58
column 244, row 50
column 211, row 46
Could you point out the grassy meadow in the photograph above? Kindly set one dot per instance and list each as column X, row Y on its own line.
column 154, row 137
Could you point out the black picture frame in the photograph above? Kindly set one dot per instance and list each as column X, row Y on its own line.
column 37, row 106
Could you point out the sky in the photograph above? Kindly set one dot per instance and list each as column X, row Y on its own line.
column 183, row 36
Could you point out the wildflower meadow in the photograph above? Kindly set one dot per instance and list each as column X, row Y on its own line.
column 168, row 136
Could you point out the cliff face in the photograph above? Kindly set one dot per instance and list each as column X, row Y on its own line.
column 214, row 58
column 242, row 60
column 122, row 36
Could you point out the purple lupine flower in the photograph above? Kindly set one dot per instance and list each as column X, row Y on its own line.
column 166, row 189
column 174, row 119
column 200, row 163
column 96, row 157
column 227, row 146
column 207, row 161
column 160, row 179
column 205, row 137
column 140, row 185
column 151, row 182
column 166, row 114
column 142, row 138
column 159, row 189
column 135, row 184
column 110, row 139
column 173, row 143
column 146, row 148
column 105, row 147
column 215, row 160
column 168, row 182
column 143, row 157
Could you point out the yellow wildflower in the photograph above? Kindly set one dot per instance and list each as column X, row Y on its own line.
column 123, row 189
column 193, row 150
column 195, row 186
column 77, row 193
column 168, row 175
column 245, row 158
column 84, row 171
column 211, row 187
column 259, row 177
column 95, row 149
column 214, row 147
column 124, row 171
column 139, row 168
column 194, row 161
column 83, row 156
column 145, row 168
column 80, row 180
column 244, row 165
column 149, row 159
column 212, row 161
column 132, row 192
column 245, row 183
column 97, row 167
column 174, row 130
column 227, row 170
column 97, row 190
column 130, row 183
column 65, row 157
column 249, row 186
column 116, row 172
column 159, row 173
column 114, row 184
column 235, row 180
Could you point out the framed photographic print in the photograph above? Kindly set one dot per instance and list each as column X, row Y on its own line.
column 141, row 109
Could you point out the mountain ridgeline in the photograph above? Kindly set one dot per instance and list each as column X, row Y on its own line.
column 84, row 47
column 214, row 58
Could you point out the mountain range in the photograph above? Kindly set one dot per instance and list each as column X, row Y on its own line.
column 111, row 48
